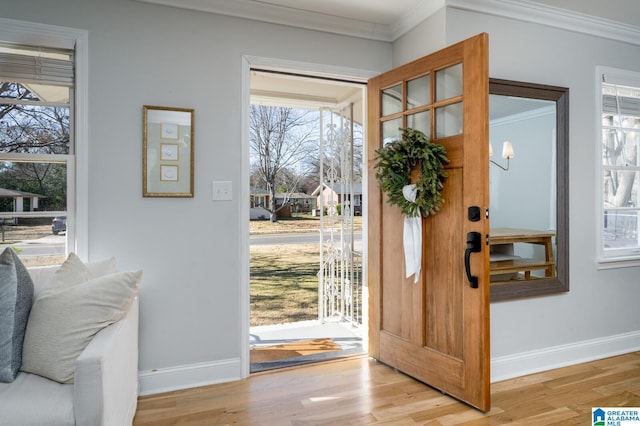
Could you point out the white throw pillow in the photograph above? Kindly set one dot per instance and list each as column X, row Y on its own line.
column 72, row 272
column 63, row 322
column 99, row 268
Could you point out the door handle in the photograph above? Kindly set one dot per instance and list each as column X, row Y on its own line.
column 474, row 245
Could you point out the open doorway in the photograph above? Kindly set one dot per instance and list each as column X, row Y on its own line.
column 307, row 291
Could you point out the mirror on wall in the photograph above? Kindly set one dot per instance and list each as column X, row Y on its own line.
column 528, row 172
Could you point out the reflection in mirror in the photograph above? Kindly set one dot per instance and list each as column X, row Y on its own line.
column 528, row 187
column 527, row 229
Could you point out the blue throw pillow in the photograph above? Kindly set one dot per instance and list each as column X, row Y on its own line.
column 16, row 297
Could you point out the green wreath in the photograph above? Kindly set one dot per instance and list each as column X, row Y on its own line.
column 393, row 167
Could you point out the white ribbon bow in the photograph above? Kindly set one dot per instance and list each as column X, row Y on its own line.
column 412, row 237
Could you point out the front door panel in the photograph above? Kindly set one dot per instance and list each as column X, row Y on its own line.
column 436, row 330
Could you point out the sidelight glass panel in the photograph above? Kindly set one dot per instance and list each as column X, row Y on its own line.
column 449, row 82
column 391, row 131
column 392, row 100
column 449, row 120
column 420, row 121
column 419, row 92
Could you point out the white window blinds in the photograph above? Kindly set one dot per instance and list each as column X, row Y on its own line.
column 620, row 95
column 36, row 65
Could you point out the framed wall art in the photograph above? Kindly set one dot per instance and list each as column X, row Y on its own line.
column 167, row 152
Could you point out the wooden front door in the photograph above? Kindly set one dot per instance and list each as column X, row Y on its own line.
column 437, row 329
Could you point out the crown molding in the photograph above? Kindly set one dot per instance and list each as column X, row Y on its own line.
column 274, row 14
column 529, row 11
column 522, row 10
column 413, row 17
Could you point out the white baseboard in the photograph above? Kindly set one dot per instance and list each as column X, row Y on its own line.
column 510, row 366
column 189, row 376
column 502, row 368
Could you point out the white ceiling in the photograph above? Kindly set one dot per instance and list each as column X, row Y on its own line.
column 303, row 92
column 385, row 12
column 387, row 20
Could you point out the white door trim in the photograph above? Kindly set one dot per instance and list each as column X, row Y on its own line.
column 303, row 68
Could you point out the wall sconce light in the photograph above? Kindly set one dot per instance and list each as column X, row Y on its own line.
column 507, row 152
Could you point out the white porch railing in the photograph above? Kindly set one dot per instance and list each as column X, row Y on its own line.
column 340, row 287
column 340, row 275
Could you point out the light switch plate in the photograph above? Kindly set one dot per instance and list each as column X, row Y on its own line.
column 221, row 191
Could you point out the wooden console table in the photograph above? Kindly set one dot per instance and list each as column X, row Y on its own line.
column 510, row 236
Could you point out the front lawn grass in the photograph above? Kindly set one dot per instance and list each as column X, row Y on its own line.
column 295, row 224
column 284, row 283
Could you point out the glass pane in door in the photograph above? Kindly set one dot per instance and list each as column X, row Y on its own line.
column 449, row 120
column 449, row 82
column 420, row 121
column 392, row 100
column 391, row 131
column 419, row 91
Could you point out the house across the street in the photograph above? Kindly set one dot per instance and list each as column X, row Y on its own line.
column 287, row 203
column 330, row 195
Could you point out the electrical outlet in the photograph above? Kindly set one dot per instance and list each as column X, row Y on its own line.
column 221, row 191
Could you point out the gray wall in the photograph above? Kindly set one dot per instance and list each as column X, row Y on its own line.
column 190, row 250
column 521, row 197
column 141, row 54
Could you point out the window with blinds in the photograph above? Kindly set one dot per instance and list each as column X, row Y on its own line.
column 36, row 150
column 36, row 89
column 620, row 170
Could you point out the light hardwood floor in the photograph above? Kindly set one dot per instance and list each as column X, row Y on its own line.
column 361, row 391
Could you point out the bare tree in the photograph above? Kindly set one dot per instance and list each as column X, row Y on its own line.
column 281, row 138
column 621, row 148
column 332, row 152
column 30, row 127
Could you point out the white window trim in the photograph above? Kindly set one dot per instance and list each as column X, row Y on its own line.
column 604, row 261
column 77, row 172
